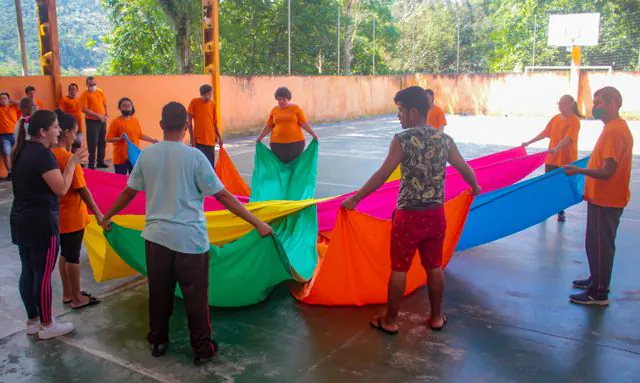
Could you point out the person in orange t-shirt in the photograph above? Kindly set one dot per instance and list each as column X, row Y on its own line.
column 286, row 123
column 9, row 115
column 70, row 104
column 129, row 125
column 562, row 130
column 73, row 217
column 203, row 125
column 435, row 116
column 30, row 92
column 94, row 107
column 607, row 191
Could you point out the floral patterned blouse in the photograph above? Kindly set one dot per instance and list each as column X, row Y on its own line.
column 424, row 165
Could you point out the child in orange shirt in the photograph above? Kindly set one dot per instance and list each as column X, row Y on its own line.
column 73, row 217
column 285, row 125
column 435, row 116
column 203, row 125
column 129, row 125
column 562, row 130
column 606, row 189
column 70, row 104
column 9, row 115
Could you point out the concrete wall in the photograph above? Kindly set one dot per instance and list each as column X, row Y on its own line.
column 246, row 101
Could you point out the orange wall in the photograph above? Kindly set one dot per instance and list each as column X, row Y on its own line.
column 246, row 101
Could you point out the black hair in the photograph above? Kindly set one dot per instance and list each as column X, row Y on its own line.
column 430, row 93
column 413, row 97
column 283, row 92
column 73, row 84
column 90, row 78
column 39, row 120
column 5, row 94
column 66, row 121
column 205, row 89
column 174, row 117
column 25, row 103
column 123, row 99
column 29, row 89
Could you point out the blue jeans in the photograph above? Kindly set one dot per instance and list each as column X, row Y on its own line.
column 6, row 143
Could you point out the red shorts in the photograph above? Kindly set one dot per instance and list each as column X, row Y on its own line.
column 421, row 230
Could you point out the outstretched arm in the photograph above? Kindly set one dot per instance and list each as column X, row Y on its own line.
column 233, row 205
column 123, row 200
column 307, row 128
column 604, row 173
column 537, row 138
column 87, row 197
column 394, row 157
column 456, row 160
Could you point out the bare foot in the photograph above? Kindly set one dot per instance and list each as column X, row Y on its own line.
column 381, row 323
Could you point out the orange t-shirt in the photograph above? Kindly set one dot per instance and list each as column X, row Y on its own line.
column 73, row 211
column 9, row 116
column 557, row 129
column 435, row 118
column 286, row 123
column 616, row 143
column 94, row 101
column 73, row 107
column 204, row 118
column 133, row 130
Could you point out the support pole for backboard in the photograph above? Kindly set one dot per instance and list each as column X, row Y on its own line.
column 49, row 47
column 211, row 50
column 574, row 77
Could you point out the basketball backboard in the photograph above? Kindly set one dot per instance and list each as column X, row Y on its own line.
column 578, row 29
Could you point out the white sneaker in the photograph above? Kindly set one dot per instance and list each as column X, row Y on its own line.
column 33, row 327
column 55, row 329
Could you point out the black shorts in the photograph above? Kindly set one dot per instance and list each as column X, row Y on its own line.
column 209, row 152
column 289, row 151
column 71, row 245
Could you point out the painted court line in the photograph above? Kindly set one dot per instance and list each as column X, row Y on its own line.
column 318, row 183
column 135, row 367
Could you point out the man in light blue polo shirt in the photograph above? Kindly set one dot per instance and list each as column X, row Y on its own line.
column 176, row 178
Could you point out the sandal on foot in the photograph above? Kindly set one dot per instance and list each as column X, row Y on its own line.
column 444, row 323
column 92, row 302
column 377, row 324
column 83, row 293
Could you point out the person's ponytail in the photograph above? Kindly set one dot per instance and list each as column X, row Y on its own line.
column 575, row 110
column 22, row 137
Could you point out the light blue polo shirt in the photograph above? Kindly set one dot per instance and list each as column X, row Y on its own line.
column 176, row 178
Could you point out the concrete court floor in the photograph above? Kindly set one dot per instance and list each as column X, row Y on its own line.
column 510, row 320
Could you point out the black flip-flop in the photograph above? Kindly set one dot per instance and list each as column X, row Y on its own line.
column 378, row 326
column 84, row 293
column 92, row 301
column 444, row 323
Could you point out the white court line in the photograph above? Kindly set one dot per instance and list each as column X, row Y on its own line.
column 318, row 183
column 135, row 367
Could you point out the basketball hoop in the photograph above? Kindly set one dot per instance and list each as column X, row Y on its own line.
column 579, row 29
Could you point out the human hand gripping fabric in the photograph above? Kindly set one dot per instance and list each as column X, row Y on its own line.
column 264, row 229
column 350, row 203
column 571, row 170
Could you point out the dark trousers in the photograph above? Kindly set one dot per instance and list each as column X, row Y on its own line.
column 209, row 152
column 600, row 243
column 38, row 263
column 165, row 267
column 549, row 169
column 96, row 133
column 123, row 169
column 287, row 152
